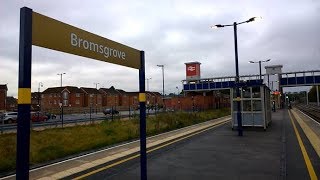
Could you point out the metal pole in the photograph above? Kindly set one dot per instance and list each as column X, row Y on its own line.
column 24, row 94
column 240, row 133
column 163, row 87
column 143, row 133
column 260, row 68
column 317, row 87
column 307, row 98
column 38, row 102
column 61, row 80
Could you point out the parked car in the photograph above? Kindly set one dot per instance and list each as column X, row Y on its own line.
column 51, row 116
column 110, row 111
column 9, row 117
column 38, row 117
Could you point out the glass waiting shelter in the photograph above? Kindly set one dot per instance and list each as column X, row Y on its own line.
column 255, row 106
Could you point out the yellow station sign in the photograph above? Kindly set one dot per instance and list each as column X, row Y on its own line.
column 56, row 35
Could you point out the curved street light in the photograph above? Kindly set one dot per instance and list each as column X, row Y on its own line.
column 240, row 133
column 60, row 74
column 260, row 64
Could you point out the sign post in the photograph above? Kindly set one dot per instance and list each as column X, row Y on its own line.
column 24, row 94
column 143, row 134
column 42, row 31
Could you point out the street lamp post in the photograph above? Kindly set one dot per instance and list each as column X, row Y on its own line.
column 240, row 131
column 60, row 74
column 148, row 83
column 61, row 98
column 40, row 85
column 162, row 67
column 260, row 64
column 96, row 97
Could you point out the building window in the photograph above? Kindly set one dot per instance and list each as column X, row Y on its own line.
column 77, row 101
column 65, row 103
column 65, row 95
column 42, row 95
column 77, row 94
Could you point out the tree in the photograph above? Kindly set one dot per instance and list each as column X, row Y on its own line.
column 313, row 94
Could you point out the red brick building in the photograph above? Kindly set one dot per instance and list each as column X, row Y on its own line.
column 3, row 97
column 35, row 101
column 197, row 101
column 68, row 96
column 92, row 97
column 111, row 97
column 12, row 104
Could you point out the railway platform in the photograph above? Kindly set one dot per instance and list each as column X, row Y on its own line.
column 287, row 149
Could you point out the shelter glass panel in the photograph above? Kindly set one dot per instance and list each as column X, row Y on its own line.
column 246, row 93
column 256, row 92
column 257, row 105
column 247, row 105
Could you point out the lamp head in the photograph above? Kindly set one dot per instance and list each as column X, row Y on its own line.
column 255, row 18
column 217, row 26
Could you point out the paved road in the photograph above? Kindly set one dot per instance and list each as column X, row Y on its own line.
column 221, row 154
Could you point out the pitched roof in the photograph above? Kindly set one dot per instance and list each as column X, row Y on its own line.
column 71, row 89
column 3, row 86
column 110, row 91
column 90, row 90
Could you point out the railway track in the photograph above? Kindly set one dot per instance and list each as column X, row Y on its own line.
column 311, row 110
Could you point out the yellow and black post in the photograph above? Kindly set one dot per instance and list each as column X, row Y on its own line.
column 143, row 134
column 24, row 94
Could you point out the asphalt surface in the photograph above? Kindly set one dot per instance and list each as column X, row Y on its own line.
column 220, row 154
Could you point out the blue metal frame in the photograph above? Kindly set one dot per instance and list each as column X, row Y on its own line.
column 299, row 81
column 219, row 85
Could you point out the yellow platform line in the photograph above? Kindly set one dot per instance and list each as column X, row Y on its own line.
column 306, row 158
column 313, row 138
column 151, row 150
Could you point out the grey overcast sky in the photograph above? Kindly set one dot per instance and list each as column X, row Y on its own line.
column 171, row 33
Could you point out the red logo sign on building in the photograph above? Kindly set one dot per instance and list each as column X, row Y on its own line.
column 192, row 70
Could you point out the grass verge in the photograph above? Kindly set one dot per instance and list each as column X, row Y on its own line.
column 56, row 143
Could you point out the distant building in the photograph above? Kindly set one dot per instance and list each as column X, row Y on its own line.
column 92, row 97
column 78, row 98
column 197, row 101
column 111, row 96
column 35, row 101
column 3, row 97
column 12, row 104
column 68, row 96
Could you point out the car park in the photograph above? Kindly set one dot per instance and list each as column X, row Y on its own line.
column 110, row 111
column 9, row 117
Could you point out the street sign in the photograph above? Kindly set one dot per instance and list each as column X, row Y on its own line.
column 52, row 34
